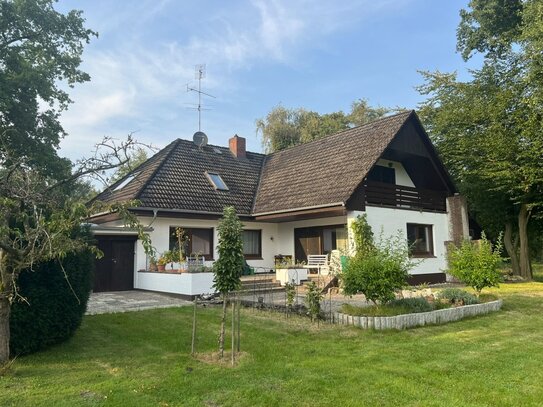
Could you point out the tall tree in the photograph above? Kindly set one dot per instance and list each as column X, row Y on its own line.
column 283, row 127
column 489, row 130
column 40, row 52
column 41, row 193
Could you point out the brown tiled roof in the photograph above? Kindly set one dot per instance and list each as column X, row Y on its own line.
column 322, row 172
column 325, row 171
column 174, row 178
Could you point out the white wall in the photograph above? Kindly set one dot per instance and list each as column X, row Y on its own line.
column 390, row 221
column 401, row 174
column 185, row 283
column 161, row 229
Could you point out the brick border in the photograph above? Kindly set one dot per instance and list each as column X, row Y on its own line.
column 404, row 321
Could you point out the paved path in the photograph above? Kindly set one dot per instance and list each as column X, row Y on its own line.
column 123, row 301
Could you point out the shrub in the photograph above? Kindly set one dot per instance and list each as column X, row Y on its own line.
column 313, row 300
column 456, row 295
column 476, row 264
column 53, row 312
column 379, row 271
column 412, row 304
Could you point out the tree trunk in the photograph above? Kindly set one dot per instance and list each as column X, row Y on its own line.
column 524, row 252
column 223, row 322
column 233, row 331
column 5, row 308
column 511, row 248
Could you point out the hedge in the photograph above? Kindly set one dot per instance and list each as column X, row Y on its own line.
column 53, row 312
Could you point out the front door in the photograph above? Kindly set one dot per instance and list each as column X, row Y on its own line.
column 115, row 270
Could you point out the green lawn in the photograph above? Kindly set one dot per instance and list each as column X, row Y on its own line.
column 141, row 359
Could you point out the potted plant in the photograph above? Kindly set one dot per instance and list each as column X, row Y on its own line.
column 163, row 260
column 153, row 264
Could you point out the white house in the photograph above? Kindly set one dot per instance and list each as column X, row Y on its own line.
column 294, row 202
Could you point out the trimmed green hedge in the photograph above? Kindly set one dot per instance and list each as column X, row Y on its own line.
column 53, row 313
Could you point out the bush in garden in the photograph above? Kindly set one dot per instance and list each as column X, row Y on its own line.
column 476, row 263
column 456, row 295
column 51, row 312
column 313, row 300
column 379, row 269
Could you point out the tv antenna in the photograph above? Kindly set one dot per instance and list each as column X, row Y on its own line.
column 199, row 73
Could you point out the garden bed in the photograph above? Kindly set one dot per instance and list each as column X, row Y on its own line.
column 404, row 321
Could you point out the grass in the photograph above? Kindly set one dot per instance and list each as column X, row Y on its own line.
column 142, row 359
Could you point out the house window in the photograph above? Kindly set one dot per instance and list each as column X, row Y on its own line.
column 126, row 181
column 252, row 244
column 420, row 240
column 382, row 174
column 197, row 241
column 216, row 181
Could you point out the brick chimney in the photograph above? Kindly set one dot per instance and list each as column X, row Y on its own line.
column 237, row 146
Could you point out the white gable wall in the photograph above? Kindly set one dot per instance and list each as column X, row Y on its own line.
column 402, row 178
column 391, row 221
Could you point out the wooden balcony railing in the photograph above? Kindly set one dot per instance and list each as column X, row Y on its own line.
column 379, row 193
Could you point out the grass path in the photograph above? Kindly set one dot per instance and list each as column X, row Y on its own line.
column 141, row 359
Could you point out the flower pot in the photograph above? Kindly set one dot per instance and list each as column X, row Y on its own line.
column 161, row 267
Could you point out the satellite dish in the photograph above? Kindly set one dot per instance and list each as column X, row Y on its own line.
column 200, row 139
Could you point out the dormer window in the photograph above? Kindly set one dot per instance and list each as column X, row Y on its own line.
column 126, row 181
column 216, row 181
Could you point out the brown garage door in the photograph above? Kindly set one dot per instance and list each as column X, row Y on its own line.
column 115, row 270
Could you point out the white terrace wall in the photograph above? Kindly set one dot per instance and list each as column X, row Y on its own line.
column 390, row 221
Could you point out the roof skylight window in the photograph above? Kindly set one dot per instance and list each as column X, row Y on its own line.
column 126, row 181
column 216, row 181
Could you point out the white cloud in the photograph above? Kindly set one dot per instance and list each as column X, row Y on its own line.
column 139, row 76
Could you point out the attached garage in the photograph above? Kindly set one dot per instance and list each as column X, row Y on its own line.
column 115, row 270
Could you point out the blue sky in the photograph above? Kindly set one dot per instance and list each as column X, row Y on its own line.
column 318, row 55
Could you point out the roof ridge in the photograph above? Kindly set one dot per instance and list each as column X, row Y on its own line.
column 221, row 147
column 406, row 112
column 159, row 166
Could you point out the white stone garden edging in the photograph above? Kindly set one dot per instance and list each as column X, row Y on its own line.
column 404, row 321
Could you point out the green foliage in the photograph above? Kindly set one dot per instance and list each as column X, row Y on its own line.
column 40, row 52
column 51, row 311
column 283, row 127
column 135, row 159
column 313, row 300
column 363, row 235
column 491, row 26
column 229, row 266
column 456, row 295
column 378, row 271
column 476, row 264
column 394, row 307
column 290, row 291
column 489, row 130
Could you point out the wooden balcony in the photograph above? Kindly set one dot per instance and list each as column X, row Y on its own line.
column 399, row 196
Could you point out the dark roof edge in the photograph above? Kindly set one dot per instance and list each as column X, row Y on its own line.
column 300, row 209
column 353, row 190
column 190, row 211
column 428, row 141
